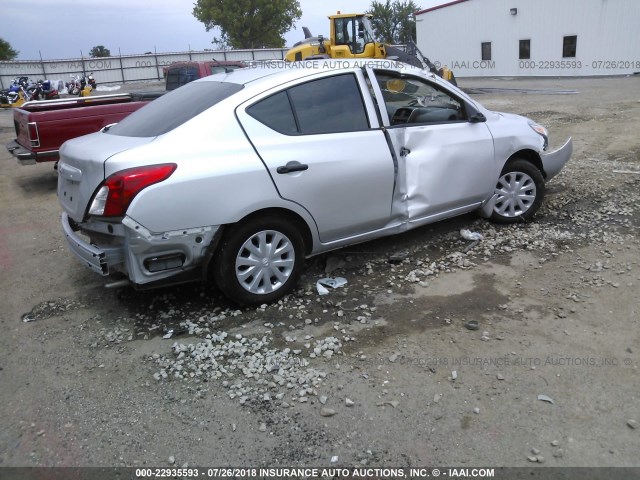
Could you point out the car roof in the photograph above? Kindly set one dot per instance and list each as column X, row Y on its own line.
column 284, row 71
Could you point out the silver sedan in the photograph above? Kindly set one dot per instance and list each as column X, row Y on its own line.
column 241, row 175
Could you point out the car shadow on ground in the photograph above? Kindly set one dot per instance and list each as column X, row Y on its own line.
column 41, row 183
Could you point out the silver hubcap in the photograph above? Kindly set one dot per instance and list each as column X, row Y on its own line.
column 265, row 262
column 516, row 193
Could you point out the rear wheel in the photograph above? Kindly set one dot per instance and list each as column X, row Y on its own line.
column 259, row 261
column 520, row 190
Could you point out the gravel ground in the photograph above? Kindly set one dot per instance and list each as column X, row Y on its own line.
column 519, row 350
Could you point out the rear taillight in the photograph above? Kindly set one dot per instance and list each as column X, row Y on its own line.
column 34, row 138
column 118, row 191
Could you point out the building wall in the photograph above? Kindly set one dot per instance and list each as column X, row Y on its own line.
column 608, row 40
column 123, row 69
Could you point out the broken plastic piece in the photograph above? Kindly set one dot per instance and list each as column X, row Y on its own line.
column 544, row 398
column 329, row 282
column 398, row 257
column 169, row 334
column 469, row 235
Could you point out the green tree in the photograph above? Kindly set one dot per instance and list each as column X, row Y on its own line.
column 248, row 23
column 6, row 52
column 393, row 21
column 99, row 51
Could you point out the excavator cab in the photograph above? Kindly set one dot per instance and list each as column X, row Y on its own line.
column 351, row 36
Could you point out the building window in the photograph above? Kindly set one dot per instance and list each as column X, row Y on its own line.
column 525, row 49
column 569, row 46
column 486, row 50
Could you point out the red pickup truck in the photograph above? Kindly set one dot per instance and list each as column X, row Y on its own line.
column 43, row 126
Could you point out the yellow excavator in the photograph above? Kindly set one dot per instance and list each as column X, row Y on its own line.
column 351, row 36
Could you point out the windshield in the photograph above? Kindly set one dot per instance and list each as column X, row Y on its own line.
column 173, row 109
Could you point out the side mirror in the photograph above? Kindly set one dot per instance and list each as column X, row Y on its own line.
column 477, row 117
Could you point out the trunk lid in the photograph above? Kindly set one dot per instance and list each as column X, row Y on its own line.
column 81, row 168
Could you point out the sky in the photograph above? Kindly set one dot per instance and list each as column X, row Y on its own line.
column 63, row 29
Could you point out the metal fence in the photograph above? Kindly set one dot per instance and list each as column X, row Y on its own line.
column 124, row 68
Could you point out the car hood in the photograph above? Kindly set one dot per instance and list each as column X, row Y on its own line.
column 81, row 168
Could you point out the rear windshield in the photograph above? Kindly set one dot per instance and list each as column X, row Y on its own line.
column 173, row 109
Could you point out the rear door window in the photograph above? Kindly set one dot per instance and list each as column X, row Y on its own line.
column 328, row 105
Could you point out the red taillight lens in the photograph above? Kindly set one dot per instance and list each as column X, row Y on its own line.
column 118, row 190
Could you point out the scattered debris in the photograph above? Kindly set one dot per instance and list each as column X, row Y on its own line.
column 472, row 325
column 398, row 257
column 329, row 282
column 469, row 235
column 393, row 403
column 545, row 398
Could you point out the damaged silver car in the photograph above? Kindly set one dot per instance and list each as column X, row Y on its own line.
column 241, row 175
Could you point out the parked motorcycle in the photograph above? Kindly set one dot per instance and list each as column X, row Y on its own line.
column 43, row 90
column 91, row 81
column 81, row 85
column 74, row 86
column 16, row 94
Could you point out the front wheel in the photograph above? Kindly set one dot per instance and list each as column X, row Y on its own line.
column 259, row 261
column 520, row 190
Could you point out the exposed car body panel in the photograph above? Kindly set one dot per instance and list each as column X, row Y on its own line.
column 554, row 161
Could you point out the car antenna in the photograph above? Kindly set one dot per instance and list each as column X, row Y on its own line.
column 226, row 69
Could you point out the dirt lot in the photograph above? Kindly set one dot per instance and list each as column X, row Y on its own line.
column 89, row 380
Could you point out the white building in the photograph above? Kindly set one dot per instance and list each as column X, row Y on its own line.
column 531, row 37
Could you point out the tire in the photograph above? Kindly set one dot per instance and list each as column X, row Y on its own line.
column 252, row 277
column 520, row 190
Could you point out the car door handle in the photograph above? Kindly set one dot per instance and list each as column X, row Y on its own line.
column 291, row 167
